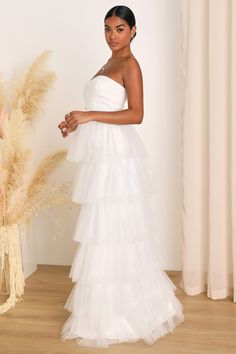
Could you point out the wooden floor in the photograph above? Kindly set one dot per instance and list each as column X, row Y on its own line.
column 34, row 325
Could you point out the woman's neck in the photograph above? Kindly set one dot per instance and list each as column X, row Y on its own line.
column 123, row 53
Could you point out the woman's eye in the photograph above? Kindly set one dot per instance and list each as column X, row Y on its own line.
column 120, row 30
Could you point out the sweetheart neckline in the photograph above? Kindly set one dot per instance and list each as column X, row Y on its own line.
column 109, row 79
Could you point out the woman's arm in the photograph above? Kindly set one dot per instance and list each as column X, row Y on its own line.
column 132, row 77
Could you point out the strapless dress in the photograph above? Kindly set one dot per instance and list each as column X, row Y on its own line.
column 121, row 293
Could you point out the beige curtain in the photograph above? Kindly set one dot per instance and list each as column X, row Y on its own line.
column 209, row 147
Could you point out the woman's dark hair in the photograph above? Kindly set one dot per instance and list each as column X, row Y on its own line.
column 123, row 12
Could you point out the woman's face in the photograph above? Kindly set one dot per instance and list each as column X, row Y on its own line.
column 118, row 33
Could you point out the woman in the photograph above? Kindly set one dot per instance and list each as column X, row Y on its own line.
column 121, row 293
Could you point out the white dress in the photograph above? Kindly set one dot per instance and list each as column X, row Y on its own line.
column 121, row 294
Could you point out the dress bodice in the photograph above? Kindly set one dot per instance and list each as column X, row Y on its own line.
column 104, row 94
column 98, row 140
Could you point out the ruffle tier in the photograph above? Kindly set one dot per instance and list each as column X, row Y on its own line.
column 121, row 179
column 105, row 313
column 115, row 222
column 100, row 141
column 106, row 263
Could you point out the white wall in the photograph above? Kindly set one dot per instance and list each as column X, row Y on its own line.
column 73, row 30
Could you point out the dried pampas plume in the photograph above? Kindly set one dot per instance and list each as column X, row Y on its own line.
column 31, row 91
column 46, row 166
column 3, row 102
column 22, row 193
column 2, row 93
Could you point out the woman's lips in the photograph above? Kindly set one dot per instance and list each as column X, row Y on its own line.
column 113, row 44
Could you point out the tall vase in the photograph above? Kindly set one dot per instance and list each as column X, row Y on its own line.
column 11, row 277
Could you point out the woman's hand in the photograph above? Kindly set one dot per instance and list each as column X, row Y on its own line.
column 62, row 127
column 72, row 120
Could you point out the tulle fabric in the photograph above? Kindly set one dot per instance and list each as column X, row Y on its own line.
column 121, row 293
column 99, row 141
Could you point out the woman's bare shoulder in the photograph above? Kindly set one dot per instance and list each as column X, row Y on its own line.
column 131, row 69
column 130, row 61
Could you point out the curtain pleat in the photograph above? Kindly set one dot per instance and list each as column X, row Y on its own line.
column 233, row 138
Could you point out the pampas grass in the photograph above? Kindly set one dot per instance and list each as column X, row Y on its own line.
column 23, row 193
column 3, row 102
column 30, row 92
column 2, row 93
column 40, row 176
column 20, row 189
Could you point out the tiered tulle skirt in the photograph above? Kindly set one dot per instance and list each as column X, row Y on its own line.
column 121, row 293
